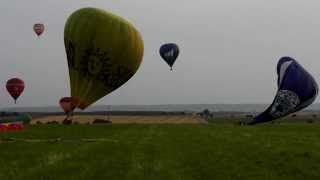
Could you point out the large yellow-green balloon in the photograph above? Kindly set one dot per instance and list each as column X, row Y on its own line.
column 104, row 51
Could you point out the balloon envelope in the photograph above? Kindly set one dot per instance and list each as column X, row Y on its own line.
column 104, row 51
column 3, row 127
column 38, row 28
column 15, row 126
column 297, row 89
column 15, row 87
column 169, row 52
column 66, row 104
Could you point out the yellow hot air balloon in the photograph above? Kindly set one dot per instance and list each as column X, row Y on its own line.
column 104, row 51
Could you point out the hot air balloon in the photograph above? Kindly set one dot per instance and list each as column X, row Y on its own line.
column 66, row 104
column 169, row 52
column 103, row 50
column 297, row 89
column 68, row 107
column 38, row 28
column 15, row 87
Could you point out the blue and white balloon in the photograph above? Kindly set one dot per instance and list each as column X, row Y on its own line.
column 169, row 52
column 297, row 89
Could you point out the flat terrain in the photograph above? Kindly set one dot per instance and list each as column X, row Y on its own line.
column 154, row 119
column 162, row 151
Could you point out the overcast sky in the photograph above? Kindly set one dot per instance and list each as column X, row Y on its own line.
column 229, row 48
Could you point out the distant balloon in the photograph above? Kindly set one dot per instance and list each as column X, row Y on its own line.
column 297, row 89
column 15, row 87
column 104, row 51
column 66, row 104
column 38, row 28
column 169, row 52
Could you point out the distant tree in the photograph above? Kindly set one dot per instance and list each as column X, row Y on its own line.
column 66, row 122
column 310, row 121
column 240, row 123
column 249, row 116
column 101, row 121
column 314, row 115
column 206, row 112
column 293, row 115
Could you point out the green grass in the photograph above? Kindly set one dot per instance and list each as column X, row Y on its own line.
column 163, row 152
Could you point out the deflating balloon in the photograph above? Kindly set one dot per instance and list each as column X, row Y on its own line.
column 104, row 51
column 11, row 126
column 38, row 28
column 15, row 87
column 169, row 52
column 16, row 126
column 3, row 127
column 66, row 104
column 297, row 89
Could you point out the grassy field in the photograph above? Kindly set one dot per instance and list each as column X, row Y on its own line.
column 162, row 152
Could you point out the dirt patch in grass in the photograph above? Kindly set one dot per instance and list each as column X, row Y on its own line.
column 85, row 119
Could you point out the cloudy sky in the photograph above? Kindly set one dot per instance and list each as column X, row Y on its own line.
column 229, row 48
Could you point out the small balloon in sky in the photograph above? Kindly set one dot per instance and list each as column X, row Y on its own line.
column 297, row 89
column 15, row 87
column 169, row 53
column 38, row 28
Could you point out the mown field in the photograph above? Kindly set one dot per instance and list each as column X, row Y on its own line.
column 162, row 152
column 155, row 119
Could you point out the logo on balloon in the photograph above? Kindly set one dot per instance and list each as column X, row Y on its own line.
column 97, row 64
column 170, row 53
column 285, row 102
column 94, row 60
